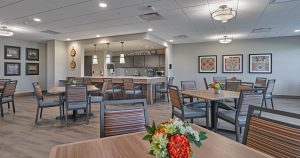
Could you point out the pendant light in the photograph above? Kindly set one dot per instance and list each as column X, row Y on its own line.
column 107, row 59
column 122, row 56
column 223, row 14
column 95, row 58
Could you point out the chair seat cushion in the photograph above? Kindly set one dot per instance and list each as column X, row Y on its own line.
column 138, row 91
column 190, row 112
column 6, row 99
column 96, row 99
column 268, row 96
column 49, row 103
column 199, row 104
column 113, row 90
column 161, row 90
column 77, row 105
column 229, row 116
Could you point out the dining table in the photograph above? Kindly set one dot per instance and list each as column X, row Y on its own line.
column 211, row 96
column 133, row 146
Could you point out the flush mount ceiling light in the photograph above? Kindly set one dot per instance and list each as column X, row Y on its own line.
column 107, row 59
column 98, row 35
column 102, row 5
column 122, row 56
column 37, row 19
column 171, row 40
column 223, row 14
column 95, row 58
column 225, row 40
column 5, row 32
column 68, row 39
column 297, row 31
column 150, row 29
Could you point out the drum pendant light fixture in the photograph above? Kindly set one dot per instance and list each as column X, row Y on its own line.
column 122, row 56
column 107, row 59
column 95, row 58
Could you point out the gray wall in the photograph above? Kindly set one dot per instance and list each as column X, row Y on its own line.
column 25, row 81
column 286, row 61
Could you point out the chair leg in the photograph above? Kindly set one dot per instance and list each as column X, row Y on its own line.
column 237, row 133
column 66, row 118
column 1, row 110
column 60, row 114
column 87, row 116
column 13, row 105
column 266, row 103
column 8, row 105
column 37, row 115
column 272, row 103
column 192, row 120
column 168, row 97
column 41, row 114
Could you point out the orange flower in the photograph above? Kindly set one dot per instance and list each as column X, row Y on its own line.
column 179, row 146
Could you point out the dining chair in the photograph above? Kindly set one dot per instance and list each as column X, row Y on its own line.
column 272, row 133
column 232, row 85
column 162, row 88
column 132, row 89
column 220, row 79
column 111, row 88
column 3, row 81
column 245, row 85
column 123, row 120
column 188, row 85
column 186, row 111
column 76, row 99
column 269, row 92
column 260, row 82
column 78, row 80
column 43, row 103
column 7, row 95
column 87, row 81
column 238, row 116
column 207, row 86
column 98, row 82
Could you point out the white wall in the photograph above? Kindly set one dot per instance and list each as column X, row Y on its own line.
column 79, row 59
column 25, row 81
column 97, row 67
column 285, row 52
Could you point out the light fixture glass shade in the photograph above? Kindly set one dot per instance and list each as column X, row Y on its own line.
column 6, row 33
column 225, row 40
column 107, row 59
column 223, row 14
column 95, row 59
column 122, row 59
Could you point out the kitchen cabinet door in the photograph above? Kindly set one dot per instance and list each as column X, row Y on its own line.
column 152, row 61
column 139, row 61
column 162, row 60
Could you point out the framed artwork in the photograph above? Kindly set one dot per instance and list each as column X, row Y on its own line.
column 32, row 68
column 260, row 63
column 233, row 63
column 12, row 69
column 32, row 54
column 12, row 52
column 207, row 64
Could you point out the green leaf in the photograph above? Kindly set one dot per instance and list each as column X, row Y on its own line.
column 151, row 152
column 148, row 137
column 198, row 144
column 202, row 135
column 153, row 126
column 149, row 130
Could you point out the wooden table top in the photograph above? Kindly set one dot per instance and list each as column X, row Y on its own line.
column 210, row 95
column 59, row 90
column 132, row 146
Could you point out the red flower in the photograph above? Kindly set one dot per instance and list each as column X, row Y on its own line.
column 179, row 146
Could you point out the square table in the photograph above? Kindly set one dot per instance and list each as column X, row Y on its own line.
column 213, row 98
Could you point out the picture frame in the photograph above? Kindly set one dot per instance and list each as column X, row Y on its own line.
column 12, row 52
column 32, row 68
column 12, row 69
column 32, row 54
column 207, row 64
column 260, row 63
column 232, row 63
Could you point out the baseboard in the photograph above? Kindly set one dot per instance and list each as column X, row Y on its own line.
column 286, row 96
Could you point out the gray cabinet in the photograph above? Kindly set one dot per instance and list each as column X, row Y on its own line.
column 162, row 60
column 152, row 61
column 115, row 59
column 139, row 61
column 128, row 61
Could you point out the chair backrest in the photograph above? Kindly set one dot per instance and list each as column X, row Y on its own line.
column 261, row 81
column 250, row 97
column 96, row 80
column 118, row 121
column 107, row 84
column 188, row 85
column 219, row 79
column 205, row 83
column 9, row 89
column 128, row 84
column 271, row 135
column 87, row 81
column 232, row 85
column 76, row 93
column 78, row 80
column 174, row 97
column 270, row 86
column 3, row 81
column 245, row 85
column 70, row 79
column 37, row 91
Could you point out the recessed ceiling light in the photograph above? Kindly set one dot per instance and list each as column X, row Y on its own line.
column 98, row 35
column 68, row 39
column 37, row 19
column 150, row 29
column 297, row 31
column 102, row 5
column 171, row 40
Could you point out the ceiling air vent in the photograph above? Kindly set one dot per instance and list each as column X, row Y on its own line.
column 281, row 1
column 51, row 32
column 180, row 37
column 261, row 30
column 151, row 17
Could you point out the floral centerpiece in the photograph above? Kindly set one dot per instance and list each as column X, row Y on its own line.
column 172, row 139
column 216, row 86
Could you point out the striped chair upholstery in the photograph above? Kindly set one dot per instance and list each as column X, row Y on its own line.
column 186, row 111
column 261, row 81
column 120, row 121
column 188, row 85
column 111, row 89
column 232, row 85
column 275, row 138
column 7, row 95
column 3, row 81
column 244, row 86
column 269, row 92
column 238, row 116
column 131, row 88
column 78, row 80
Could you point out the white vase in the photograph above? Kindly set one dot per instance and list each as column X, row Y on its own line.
column 217, row 91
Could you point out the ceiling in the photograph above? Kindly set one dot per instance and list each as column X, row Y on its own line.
column 128, row 46
column 83, row 19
